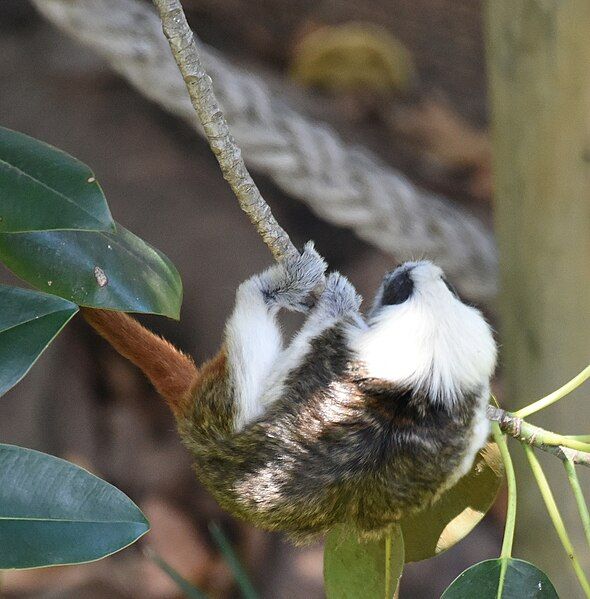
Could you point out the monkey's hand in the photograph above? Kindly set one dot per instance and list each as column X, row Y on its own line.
column 290, row 284
column 339, row 298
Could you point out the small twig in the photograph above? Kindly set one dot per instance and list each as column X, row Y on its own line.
column 511, row 478
column 556, row 518
column 231, row 559
column 556, row 395
column 528, row 434
column 228, row 154
column 572, row 476
column 507, row 543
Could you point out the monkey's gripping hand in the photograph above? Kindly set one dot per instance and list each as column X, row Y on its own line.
column 291, row 284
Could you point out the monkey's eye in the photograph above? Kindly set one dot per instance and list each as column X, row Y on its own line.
column 450, row 288
column 397, row 289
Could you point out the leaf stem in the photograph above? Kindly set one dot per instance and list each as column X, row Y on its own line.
column 241, row 578
column 511, row 479
column 572, row 476
column 556, row 517
column 388, row 547
column 189, row 590
column 556, row 395
column 508, row 540
column 549, row 438
column 583, row 438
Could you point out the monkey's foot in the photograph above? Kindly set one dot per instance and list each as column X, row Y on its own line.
column 290, row 284
column 339, row 298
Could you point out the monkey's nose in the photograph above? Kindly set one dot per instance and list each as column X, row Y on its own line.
column 398, row 287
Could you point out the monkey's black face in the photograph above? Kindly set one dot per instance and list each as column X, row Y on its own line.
column 410, row 279
column 398, row 286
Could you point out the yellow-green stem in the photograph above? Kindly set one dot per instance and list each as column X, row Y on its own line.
column 556, row 517
column 545, row 437
column 388, row 548
column 506, row 552
column 511, row 480
column 556, row 395
column 572, row 476
column 582, row 438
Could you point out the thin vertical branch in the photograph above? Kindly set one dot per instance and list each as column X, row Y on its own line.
column 508, row 540
column 572, row 476
column 511, row 478
column 556, row 517
column 388, row 548
column 228, row 154
column 240, row 576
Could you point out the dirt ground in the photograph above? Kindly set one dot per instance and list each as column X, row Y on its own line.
column 84, row 403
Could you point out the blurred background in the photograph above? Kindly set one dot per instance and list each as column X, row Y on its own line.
column 404, row 78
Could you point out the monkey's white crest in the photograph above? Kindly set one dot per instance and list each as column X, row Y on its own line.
column 422, row 336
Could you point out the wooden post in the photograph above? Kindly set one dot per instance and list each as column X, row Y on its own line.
column 539, row 69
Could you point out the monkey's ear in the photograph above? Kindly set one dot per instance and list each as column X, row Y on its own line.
column 170, row 371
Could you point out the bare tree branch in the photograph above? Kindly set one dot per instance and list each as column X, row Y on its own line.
column 228, row 154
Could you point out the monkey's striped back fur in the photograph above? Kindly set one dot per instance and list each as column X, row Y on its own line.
column 336, row 447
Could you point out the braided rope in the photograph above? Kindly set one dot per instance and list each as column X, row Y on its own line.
column 346, row 185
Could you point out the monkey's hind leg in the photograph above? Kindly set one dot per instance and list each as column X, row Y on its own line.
column 253, row 338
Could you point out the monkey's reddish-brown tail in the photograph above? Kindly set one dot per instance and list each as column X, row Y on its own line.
column 171, row 372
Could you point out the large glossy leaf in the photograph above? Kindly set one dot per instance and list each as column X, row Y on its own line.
column 43, row 188
column 522, row 580
column 458, row 511
column 114, row 270
column 354, row 570
column 53, row 512
column 28, row 323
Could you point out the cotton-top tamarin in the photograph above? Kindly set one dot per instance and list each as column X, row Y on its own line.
column 358, row 420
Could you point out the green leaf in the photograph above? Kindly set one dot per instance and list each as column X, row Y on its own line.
column 53, row 512
column 115, row 270
column 354, row 570
column 29, row 321
column 43, row 188
column 436, row 529
column 522, row 581
column 189, row 589
column 231, row 559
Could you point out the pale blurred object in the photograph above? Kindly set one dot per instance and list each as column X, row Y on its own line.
column 447, row 141
column 352, row 57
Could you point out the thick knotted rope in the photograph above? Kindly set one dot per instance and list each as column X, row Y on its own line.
column 346, row 185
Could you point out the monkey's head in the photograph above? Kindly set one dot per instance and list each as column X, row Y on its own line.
column 423, row 336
